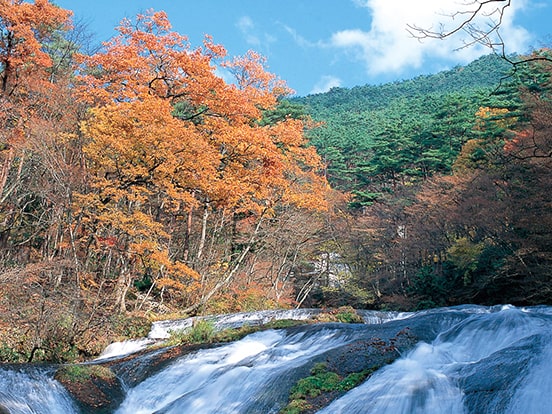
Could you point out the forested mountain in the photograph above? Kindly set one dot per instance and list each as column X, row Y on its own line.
column 483, row 73
column 374, row 135
column 448, row 176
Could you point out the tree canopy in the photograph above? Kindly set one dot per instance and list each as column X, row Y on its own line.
column 136, row 180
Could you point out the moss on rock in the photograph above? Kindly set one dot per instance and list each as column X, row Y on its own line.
column 95, row 388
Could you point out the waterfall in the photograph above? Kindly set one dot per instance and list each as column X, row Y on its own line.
column 224, row 380
column 120, row 349
column 462, row 360
column 436, row 377
column 31, row 390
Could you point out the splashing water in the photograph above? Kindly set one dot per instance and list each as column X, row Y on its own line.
column 429, row 380
column 472, row 360
column 32, row 390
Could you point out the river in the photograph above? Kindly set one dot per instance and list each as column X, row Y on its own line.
column 466, row 359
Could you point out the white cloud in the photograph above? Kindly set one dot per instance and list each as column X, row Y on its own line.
column 389, row 47
column 247, row 27
column 257, row 38
column 326, row 83
column 297, row 38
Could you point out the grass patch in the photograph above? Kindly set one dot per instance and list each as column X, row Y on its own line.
column 321, row 381
column 204, row 332
column 83, row 373
column 343, row 314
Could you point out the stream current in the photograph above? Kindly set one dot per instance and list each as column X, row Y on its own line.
column 467, row 359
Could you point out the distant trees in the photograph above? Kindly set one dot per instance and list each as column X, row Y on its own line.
column 441, row 196
column 373, row 139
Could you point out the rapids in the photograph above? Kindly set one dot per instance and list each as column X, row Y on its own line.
column 466, row 359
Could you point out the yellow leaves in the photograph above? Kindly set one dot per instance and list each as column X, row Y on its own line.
column 167, row 133
column 488, row 112
column 180, row 277
column 465, row 160
column 500, row 117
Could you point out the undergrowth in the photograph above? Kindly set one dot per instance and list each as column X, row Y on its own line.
column 321, row 381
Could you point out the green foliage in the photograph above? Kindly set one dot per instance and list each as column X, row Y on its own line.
column 315, row 385
column 354, row 379
column 431, row 286
column 343, row 314
column 378, row 136
column 319, row 382
column 464, row 255
column 348, row 315
column 283, row 111
column 204, row 331
column 82, row 373
column 10, row 355
column 296, row 407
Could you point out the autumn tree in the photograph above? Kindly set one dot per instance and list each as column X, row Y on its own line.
column 488, row 223
column 178, row 158
column 38, row 115
column 42, row 301
column 25, row 70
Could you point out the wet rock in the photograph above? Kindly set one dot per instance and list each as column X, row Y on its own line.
column 95, row 388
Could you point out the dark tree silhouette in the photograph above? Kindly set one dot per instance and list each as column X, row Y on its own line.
column 481, row 21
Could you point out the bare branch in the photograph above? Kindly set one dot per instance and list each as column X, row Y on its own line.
column 487, row 34
column 468, row 24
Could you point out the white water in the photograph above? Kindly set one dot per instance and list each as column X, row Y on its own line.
column 119, row 349
column 414, row 384
column 227, row 379
column 426, row 380
column 33, row 391
column 535, row 394
column 485, row 361
column 163, row 329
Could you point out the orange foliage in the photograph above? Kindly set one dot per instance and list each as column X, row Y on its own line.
column 25, row 71
column 167, row 132
column 25, row 26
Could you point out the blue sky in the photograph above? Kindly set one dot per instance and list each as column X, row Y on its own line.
column 317, row 44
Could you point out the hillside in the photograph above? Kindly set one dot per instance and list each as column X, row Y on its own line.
column 410, row 129
column 485, row 72
column 448, row 177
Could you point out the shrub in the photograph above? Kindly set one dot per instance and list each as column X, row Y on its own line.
column 202, row 331
column 343, row 314
column 319, row 382
column 82, row 373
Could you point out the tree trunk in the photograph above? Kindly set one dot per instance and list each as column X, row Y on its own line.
column 123, row 285
column 203, row 230
column 227, row 278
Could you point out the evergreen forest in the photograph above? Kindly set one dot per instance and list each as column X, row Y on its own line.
column 137, row 185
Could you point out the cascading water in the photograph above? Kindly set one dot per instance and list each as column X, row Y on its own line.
column 30, row 390
column 229, row 379
column 467, row 359
column 451, row 374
